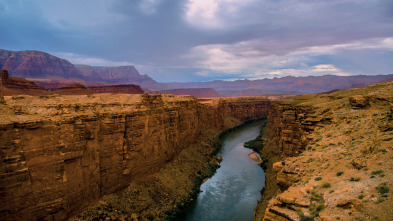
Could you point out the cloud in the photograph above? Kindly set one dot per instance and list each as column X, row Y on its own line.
column 251, row 58
column 214, row 13
column 81, row 59
column 149, row 6
column 207, row 39
column 73, row 14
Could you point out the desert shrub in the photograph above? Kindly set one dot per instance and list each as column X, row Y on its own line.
column 382, row 188
column 339, row 173
column 377, row 172
column 326, row 185
column 318, row 178
column 355, row 179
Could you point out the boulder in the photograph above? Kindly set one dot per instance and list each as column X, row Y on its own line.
column 358, row 101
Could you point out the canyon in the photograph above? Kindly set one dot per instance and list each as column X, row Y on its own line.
column 62, row 153
column 330, row 156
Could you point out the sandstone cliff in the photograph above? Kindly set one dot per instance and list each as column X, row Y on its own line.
column 80, row 89
column 117, row 75
column 60, row 153
column 36, row 64
column 196, row 92
column 330, row 156
column 118, row 89
column 13, row 85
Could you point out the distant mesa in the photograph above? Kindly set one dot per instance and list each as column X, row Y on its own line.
column 15, row 86
column 74, row 86
column 79, row 89
column 36, row 64
column 196, row 92
column 117, row 75
column 73, row 89
column 118, row 89
column 53, row 72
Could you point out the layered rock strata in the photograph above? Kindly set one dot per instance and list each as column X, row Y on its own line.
column 80, row 89
column 60, row 153
column 13, row 85
column 330, row 156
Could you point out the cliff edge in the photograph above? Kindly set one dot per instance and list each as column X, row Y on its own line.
column 330, row 156
column 60, row 154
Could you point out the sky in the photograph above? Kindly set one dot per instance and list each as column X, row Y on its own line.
column 202, row 40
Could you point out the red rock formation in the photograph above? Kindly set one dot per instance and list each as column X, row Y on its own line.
column 115, row 75
column 80, row 89
column 61, row 152
column 286, row 85
column 196, row 92
column 14, row 86
column 118, row 89
column 36, row 64
column 73, row 89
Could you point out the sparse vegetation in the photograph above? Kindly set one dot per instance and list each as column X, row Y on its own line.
column 339, row 173
column 383, row 188
column 318, row 178
column 326, row 185
column 355, row 179
column 377, row 172
column 256, row 144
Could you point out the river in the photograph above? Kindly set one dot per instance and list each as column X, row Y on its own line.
column 234, row 190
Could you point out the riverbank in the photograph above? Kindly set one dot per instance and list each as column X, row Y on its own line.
column 166, row 194
column 233, row 191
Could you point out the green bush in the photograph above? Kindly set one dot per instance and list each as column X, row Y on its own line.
column 355, row 179
column 326, row 185
column 318, row 178
column 339, row 173
column 377, row 172
column 382, row 188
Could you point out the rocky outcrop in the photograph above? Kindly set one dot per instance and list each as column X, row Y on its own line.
column 358, row 101
column 196, row 92
column 36, row 64
column 60, row 153
column 118, row 89
column 117, row 75
column 286, row 85
column 80, row 89
column 14, row 85
column 334, row 153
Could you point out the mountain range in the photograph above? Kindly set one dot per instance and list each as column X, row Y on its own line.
column 50, row 71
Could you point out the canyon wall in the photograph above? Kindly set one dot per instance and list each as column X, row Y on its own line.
column 60, row 153
column 330, row 156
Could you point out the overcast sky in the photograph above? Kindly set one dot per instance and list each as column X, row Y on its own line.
column 200, row 40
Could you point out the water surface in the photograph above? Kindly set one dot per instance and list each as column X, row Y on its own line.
column 234, row 190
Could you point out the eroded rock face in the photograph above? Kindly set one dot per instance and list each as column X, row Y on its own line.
column 19, row 85
column 196, row 92
column 59, row 153
column 358, row 101
column 335, row 158
column 118, row 89
column 36, row 64
column 117, row 75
